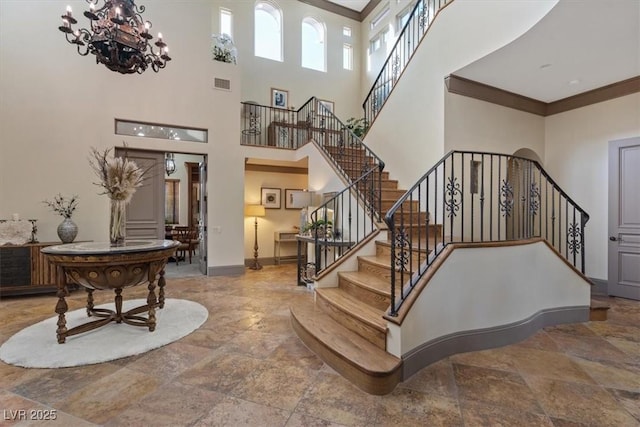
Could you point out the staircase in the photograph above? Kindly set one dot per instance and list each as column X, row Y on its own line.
column 345, row 324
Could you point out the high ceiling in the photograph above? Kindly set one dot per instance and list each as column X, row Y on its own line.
column 578, row 46
column 356, row 5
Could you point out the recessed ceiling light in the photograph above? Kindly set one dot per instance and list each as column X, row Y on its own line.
column 574, row 82
column 543, row 66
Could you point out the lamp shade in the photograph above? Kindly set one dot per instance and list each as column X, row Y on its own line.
column 254, row 210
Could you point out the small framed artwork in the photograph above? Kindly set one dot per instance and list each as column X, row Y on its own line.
column 271, row 198
column 291, row 198
column 279, row 98
column 325, row 107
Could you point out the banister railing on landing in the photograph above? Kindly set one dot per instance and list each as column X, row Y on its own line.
column 417, row 24
column 354, row 211
column 473, row 196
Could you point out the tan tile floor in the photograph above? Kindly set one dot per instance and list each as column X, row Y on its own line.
column 246, row 367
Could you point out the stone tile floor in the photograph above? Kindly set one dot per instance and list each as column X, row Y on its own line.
column 246, row 367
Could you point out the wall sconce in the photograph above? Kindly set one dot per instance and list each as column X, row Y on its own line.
column 169, row 164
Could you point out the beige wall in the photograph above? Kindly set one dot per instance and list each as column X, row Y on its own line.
column 471, row 125
column 53, row 111
column 576, row 156
column 276, row 219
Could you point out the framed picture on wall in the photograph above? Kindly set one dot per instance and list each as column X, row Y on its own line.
column 295, row 198
column 279, row 98
column 271, row 198
column 325, row 107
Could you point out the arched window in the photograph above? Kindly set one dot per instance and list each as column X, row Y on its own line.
column 268, row 30
column 314, row 52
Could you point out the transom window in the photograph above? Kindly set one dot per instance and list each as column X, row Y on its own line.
column 268, row 31
column 313, row 44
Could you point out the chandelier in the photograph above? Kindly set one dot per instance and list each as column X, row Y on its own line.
column 118, row 37
column 169, row 164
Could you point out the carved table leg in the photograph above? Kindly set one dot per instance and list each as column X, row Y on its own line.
column 61, row 306
column 151, row 302
column 118, row 305
column 161, row 283
column 90, row 305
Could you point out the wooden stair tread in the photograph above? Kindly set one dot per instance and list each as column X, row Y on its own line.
column 344, row 343
column 354, row 307
column 369, row 281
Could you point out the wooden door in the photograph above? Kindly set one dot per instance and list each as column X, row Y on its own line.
column 145, row 212
column 624, row 218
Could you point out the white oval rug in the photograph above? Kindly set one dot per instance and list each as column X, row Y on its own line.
column 37, row 346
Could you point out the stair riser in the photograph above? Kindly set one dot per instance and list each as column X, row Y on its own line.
column 407, row 217
column 420, row 231
column 392, row 194
column 385, row 184
column 378, row 338
column 374, row 299
column 357, row 173
column 388, row 204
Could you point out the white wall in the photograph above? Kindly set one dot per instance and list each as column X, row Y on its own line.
column 413, row 116
column 259, row 75
column 509, row 284
column 55, row 105
column 576, row 156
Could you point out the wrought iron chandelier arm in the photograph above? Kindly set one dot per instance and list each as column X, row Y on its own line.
column 118, row 36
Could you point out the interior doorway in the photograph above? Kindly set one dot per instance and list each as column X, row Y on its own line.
column 185, row 208
column 624, row 218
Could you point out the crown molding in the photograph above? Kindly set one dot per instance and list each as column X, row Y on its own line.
column 343, row 11
column 275, row 169
column 483, row 92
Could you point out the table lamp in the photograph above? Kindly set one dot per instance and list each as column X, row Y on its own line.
column 255, row 211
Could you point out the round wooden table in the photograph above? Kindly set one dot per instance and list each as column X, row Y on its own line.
column 99, row 266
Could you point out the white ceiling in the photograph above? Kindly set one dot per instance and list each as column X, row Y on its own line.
column 579, row 46
column 356, row 5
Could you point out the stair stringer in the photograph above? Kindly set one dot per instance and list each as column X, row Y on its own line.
column 485, row 296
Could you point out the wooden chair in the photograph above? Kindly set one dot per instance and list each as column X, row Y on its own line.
column 182, row 235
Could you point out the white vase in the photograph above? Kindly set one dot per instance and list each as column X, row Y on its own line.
column 67, row 230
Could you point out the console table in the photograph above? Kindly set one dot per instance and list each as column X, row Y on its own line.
column 280, row 237
column 98, row 266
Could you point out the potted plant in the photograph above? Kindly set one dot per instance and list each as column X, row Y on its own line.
column 318, row 228
column 359, row 126
column 67, row 230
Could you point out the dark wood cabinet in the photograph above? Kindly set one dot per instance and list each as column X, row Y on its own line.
column 25, row 270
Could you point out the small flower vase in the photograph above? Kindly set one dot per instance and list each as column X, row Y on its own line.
column 117, row 223
column 67, row 230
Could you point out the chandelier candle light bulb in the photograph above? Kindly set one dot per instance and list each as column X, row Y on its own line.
column 118, row 36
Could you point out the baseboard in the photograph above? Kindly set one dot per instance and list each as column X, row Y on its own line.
column 601, row 287
column 248, row 262
column 482, row 339
column 226, row 270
